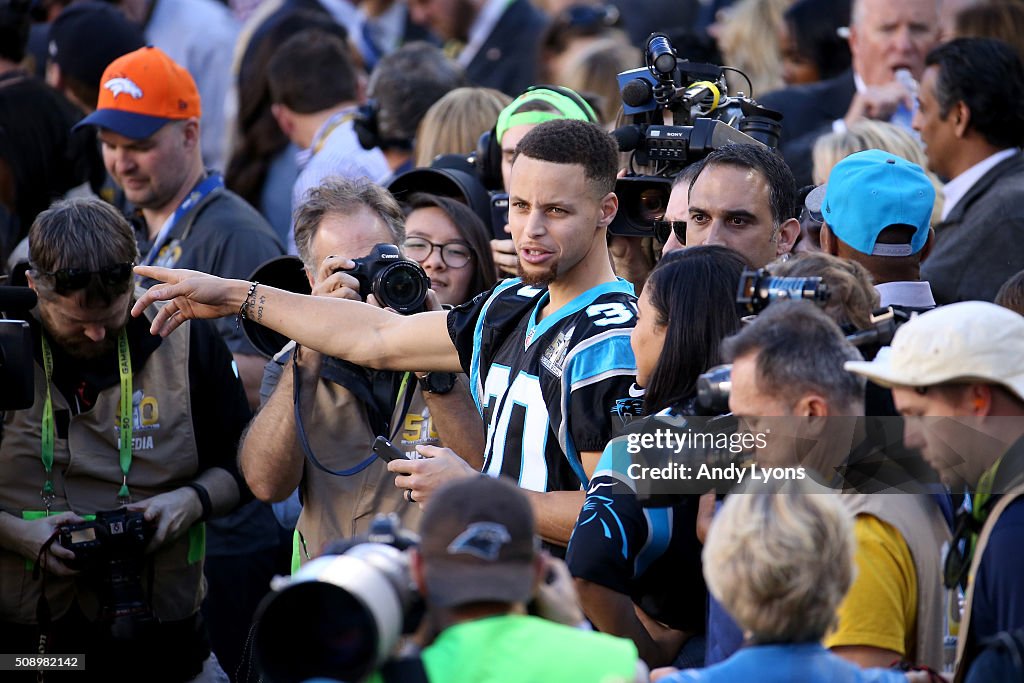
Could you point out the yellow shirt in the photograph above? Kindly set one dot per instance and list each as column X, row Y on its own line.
column 881, row 608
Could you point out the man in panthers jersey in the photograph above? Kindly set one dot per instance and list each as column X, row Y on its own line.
column 547, row 353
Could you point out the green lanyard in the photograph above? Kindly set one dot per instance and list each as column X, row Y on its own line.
column 124, row 369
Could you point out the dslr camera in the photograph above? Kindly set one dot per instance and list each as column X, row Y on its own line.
column 395, row 281
column 110, row 551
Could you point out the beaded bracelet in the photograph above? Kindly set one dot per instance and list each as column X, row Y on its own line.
column 245, row 304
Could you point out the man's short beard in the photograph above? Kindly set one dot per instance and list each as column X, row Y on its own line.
column 542, row 280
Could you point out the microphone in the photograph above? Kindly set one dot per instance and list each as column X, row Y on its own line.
column 637, row 92
column 628, row 137
column 17, row 298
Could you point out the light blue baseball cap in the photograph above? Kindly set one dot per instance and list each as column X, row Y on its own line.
column 870, row 191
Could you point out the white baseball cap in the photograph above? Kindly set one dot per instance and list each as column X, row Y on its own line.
column 971, row 341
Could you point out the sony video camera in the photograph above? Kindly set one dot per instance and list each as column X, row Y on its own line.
column 679, row 112
column 341, row 615
column 395, row 281
column 110, row 553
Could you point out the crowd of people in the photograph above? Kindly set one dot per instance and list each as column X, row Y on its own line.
column 279, row 272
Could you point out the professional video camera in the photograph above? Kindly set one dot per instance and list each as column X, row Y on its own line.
column 110, row 553
column 17, row 384
column 679, row 112
column 341, row 615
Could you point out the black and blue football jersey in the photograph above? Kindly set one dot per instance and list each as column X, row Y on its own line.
column 548, row 390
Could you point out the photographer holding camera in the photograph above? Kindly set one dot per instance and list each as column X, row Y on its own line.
column 788, row 379
column 138, row 431
column 343, row 486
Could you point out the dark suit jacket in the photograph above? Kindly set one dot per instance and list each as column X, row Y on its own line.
column 981, row 243
column 507, row 60
column 809, row 111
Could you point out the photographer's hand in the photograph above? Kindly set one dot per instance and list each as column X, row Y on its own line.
column 170, row 514
column 556, row 598
column 26, row 537
column 424, row 475
column 333, row 281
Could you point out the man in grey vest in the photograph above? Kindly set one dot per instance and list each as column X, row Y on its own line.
column 140, row 432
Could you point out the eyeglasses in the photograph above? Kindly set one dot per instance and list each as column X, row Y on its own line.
column 453, row 254
column 73, row 279
column 662, row 230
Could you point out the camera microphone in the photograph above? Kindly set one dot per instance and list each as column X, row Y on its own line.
column 637, row 92
column 628, row 137
column 661, row 58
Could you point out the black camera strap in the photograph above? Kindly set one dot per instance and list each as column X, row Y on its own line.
column 366, row 388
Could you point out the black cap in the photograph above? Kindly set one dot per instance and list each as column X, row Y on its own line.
column 88, row 36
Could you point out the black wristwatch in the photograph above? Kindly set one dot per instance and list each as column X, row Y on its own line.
column 438, row 382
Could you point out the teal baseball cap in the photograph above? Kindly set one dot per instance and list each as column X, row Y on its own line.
column 870, row 191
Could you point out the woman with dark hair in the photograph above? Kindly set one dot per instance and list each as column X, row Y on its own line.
column 812, row 49
column 452, row 244
column 262, row 168
column 638, row 569
column 687, row 308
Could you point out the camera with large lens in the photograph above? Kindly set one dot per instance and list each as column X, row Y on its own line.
column 341, row 615
column 394, row 280
column 678, row 112
column 110, row 553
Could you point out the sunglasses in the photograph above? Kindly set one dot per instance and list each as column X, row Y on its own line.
column 961, row 550
column 662, row 230
column 73, row 279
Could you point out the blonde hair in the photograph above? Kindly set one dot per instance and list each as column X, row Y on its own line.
column 456, row 121
column 780, row 563
column 748, row 41
column 853, row 297
column 832, row 148
column 593, row 69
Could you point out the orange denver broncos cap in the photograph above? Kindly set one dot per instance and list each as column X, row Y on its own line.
column 141, row 92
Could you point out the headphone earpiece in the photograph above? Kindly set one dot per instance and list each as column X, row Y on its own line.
column 488, row 161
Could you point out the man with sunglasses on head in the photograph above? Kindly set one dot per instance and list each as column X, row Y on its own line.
column 121, row 419
column 963, row 366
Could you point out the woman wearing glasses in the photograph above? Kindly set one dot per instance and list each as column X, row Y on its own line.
column 452, row 245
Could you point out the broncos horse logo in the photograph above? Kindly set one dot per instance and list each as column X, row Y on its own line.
column 116, row 86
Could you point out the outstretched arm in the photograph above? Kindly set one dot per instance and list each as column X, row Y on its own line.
column 354, row 331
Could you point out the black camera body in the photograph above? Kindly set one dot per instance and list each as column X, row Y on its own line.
column 759, row 288
column 396, row 282
column 110, row 553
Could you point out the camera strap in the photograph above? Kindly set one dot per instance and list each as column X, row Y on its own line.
column 124, row 437
column 363, row 391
